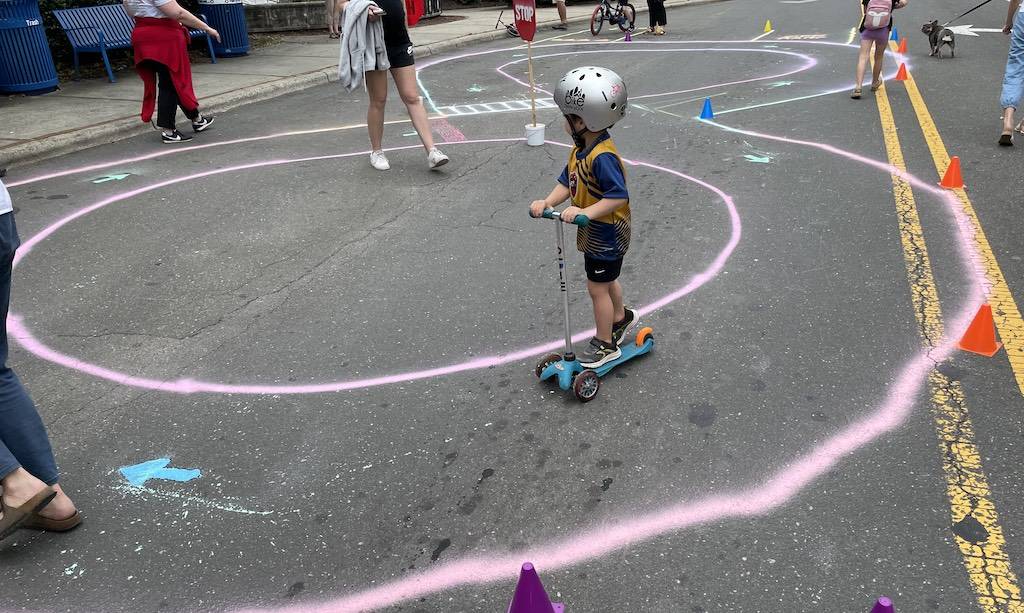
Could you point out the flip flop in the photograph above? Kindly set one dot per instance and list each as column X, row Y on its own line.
column 38, row 522
column 15, row 516
column 856, row 94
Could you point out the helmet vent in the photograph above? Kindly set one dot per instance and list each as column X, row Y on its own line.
column 613, row 106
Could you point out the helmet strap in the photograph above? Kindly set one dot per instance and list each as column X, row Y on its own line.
column 577, row 135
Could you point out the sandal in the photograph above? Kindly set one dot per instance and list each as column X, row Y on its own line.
column 38, row 522
column 14, row 517
column 876, row 85
column 856, row 94
column 1020, row 126
column 334, row 35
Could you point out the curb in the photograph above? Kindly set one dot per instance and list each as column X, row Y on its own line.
column 62, row 143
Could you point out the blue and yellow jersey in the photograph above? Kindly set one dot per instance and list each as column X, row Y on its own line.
column 594, row 174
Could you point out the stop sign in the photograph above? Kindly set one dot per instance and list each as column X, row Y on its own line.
column 526, row 18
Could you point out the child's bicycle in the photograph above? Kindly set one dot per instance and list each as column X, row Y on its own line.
column 620, row 14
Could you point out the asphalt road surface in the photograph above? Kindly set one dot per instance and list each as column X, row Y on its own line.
column 346, row 356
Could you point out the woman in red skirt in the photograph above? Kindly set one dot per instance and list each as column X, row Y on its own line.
column 160, row 41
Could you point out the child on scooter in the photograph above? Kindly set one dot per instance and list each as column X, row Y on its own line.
column 593, row 99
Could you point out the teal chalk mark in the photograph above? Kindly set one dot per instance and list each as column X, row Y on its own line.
column 474, row 88
column 138, row 474
column 111, row 178
column 780, row 84
column 757, row 159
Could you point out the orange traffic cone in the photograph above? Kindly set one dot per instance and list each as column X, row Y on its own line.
column 901, row 74
column 903, row 47
column 953, row 178
column 981, row 334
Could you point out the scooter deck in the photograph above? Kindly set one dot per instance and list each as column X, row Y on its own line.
column 566, row 371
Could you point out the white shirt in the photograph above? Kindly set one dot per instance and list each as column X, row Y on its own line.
column 5, row 200
column 144, row 8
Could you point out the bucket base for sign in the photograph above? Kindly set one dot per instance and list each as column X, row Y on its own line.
column 535, row 135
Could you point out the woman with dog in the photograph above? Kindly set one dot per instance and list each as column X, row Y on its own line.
column 875, row 29
column 1013, row 79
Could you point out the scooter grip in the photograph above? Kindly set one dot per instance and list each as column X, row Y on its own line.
column 581, row 220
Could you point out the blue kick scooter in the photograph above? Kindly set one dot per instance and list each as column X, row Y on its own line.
column 584, row 382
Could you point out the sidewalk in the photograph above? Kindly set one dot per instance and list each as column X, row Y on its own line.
column 90, row 112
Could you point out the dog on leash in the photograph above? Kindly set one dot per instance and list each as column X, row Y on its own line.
column 939, row 36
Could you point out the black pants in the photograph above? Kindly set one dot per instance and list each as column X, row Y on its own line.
column 167, row 102
column 656, row 10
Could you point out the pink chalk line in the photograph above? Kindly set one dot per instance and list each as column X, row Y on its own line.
column 19, row 332
column 781, row 487
column 776, row 491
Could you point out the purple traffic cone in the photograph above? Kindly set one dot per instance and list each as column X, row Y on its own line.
column 530, row 596
column 884, row 605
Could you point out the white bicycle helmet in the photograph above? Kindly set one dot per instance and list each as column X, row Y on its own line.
column 594, row 94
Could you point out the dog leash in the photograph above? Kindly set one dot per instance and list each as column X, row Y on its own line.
column 967, row 13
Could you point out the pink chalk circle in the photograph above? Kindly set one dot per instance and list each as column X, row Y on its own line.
column 20, row 332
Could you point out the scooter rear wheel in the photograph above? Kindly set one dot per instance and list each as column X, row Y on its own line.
column 586, row 385
column 544, row 363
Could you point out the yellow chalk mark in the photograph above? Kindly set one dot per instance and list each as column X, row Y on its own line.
column 985, row 559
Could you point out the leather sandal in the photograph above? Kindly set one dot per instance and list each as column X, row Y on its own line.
column 38, row 522
column 14, row 517
column 876, row 85
column 856, row 94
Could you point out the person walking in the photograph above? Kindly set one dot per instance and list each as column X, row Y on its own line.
column 563, row 16
column 332, row 20
column 875, row 28
column 160, row 42
column 400, row 63
column 31, row 497
column 1013, row 78
column 656, row 12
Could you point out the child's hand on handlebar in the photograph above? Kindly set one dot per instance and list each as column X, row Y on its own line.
column 537, row 208
column 569, row 214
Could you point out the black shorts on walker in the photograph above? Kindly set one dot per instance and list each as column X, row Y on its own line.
column 602, row 271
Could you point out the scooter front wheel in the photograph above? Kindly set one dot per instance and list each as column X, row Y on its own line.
column 586, row 385
column 544, row 363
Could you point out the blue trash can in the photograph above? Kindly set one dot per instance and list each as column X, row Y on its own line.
column 228, row 18
column 26, row 65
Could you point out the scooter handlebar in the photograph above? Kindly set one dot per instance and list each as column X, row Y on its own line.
column 581, row 220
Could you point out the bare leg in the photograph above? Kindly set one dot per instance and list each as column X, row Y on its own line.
column 618, row 306
column 1008, row 120
column 408, row 89
column 377, row 86
column 876, row 70
column 563, row 16
column 862, row 61
column 604, row 309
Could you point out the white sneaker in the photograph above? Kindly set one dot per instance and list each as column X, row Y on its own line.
column 436, row 158
column 379, row 161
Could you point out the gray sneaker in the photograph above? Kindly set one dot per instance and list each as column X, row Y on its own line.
column 598, row 353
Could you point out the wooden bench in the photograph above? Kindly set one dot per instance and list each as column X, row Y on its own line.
column 94, row 29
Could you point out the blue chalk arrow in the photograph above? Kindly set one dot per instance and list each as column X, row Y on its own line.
column 138, row 474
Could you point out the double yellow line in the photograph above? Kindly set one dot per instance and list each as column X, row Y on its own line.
column 975, row 520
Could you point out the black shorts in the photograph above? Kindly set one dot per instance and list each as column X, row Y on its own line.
column 602, row 271
column 400, row 56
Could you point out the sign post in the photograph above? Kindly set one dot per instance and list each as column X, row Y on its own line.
column 525, row 12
